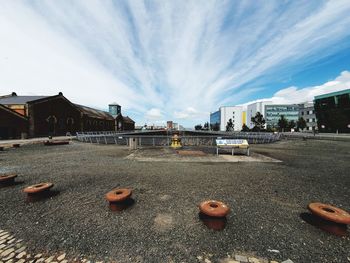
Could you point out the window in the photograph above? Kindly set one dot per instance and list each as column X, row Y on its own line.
column 70, row 121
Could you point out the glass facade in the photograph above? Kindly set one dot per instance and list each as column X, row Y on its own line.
column 274, row 112
column 215, row 117
column 333, row 111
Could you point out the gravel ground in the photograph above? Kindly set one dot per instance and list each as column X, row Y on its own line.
column 163, row 225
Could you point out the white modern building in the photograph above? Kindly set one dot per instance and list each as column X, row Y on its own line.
column 222, row 116
column 253, row 108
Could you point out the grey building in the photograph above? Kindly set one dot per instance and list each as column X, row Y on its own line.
column 307, row 112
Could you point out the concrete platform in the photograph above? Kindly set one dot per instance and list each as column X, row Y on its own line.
column 160, row 154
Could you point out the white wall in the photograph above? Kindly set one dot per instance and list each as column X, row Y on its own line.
column 253, row 108
column 228, row 113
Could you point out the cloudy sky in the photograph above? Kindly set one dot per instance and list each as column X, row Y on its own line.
column 174, row 59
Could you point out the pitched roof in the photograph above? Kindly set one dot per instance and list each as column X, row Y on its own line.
column 127, row 119
column 7, row 100
column 14, row 99
column 94, row 113
column 3, row 107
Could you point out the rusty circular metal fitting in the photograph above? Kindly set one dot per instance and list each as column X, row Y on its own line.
column 118, row 195
column 5, row 178
column 330, row 213
column 37, row 188
column 214, row 208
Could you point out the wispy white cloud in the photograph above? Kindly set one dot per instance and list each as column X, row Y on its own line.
column 183, row 59
column 190, row 113
column 299, row 95
column 154, row 114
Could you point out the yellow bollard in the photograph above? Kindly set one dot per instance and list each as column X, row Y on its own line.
column 175, row 141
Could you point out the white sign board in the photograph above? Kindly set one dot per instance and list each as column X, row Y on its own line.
column 230, row 142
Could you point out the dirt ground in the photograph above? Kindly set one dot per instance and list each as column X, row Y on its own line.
column 267, row 199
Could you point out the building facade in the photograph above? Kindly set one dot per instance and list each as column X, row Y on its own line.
column 333, row 111
column 169, row 125
column 215, row 120
column 307, row 112
column 224, row 114
column 274, row 112
column 253, row 108
column 12, row 124
column 95, row 120
column 123, row 123
column 53, row 115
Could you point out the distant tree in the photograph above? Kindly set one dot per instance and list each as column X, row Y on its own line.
column 206, row 126
column 215, row 127
column 245, row 128
column 301, row 123
column 258, row 121
column 291, row 125
column 270, row 129
column 229, row 125
column 282, row 123
column 198, row 127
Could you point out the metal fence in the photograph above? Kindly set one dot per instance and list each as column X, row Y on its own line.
column 165, row 140
column 318, row 136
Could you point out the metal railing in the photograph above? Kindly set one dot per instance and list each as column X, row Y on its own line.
column 317, row 136
column 120, row 138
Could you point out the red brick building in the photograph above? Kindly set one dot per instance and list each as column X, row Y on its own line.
column 49, row 115
column 12, row 124
column 124, row 123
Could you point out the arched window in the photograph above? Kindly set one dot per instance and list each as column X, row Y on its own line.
column 52, row 121
column 70, row 121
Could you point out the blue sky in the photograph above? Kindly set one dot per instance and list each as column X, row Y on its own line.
column 174, row 60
